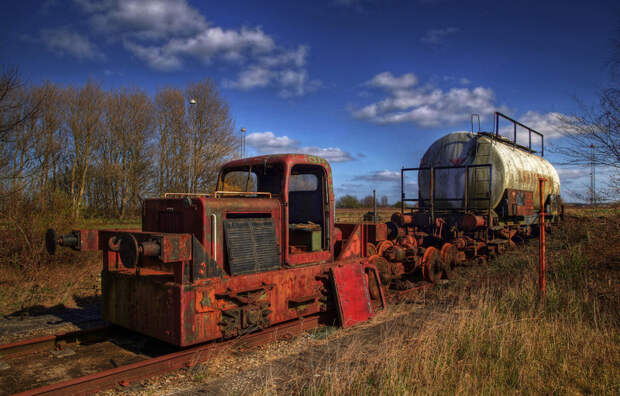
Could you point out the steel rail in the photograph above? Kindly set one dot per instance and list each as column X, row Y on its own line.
column 147, row 368
column 38, row 344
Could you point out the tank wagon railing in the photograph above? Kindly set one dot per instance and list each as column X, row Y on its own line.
column 514, row 124
column 432, row 198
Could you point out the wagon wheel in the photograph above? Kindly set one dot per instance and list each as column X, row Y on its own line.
column 516, row 241
column 432, row 265
column 371, row 250
column 407, row 241
column 383, row 246
column 383, row 266
column 448, row 255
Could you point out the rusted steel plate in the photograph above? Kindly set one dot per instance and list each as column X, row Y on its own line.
column 354, row 243
column 176, row 247
column 163, row 364
column 352, row 294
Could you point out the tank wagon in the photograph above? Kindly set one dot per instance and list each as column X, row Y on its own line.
column 264, row 249
column 478, row 194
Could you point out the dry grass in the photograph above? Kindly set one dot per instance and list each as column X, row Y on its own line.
column 66, row 281
column 31, row 280
column 345, row 215
column 492, row 334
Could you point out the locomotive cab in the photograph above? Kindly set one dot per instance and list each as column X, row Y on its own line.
column 301, row 185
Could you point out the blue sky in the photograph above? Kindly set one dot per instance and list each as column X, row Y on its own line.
column 367, row 84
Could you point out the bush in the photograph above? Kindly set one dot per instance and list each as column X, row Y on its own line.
column 348, row 201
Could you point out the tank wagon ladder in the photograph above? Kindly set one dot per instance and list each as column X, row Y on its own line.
column 516, row 123
column 465, row 199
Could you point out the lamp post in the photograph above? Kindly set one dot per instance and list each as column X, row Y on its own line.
column 192, row 103
column 592, row 178
column 243, row 130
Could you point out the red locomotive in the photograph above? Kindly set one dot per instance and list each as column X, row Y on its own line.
column 212, row 266
column 264, row 248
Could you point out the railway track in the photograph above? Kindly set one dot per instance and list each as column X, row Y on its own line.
column 86, row 361
column 83, row 362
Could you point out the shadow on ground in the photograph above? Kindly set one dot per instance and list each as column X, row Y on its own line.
column 27, row 320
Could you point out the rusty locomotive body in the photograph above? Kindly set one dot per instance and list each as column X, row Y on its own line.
column 213, row 266
column 264, row 248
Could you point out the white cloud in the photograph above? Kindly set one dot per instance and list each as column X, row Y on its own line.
column 332, row 154
column 253, row 77
column 269, row 143
column 549, row 124
column 572, row 173
column 155, row 57
column 424, row 105
column 295, row 57
column 146, row 19
column 207, row 45
column 437, row 36
column 290, row 82
column 380, row 176
column 387, row 81
column 166, row 33
column 66, row 42
column 296, row 83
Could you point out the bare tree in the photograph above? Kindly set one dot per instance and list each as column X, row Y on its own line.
column 593, row 135
column 595, row 130
column 16, row 158
column 84, row 119
column 125, row 151
column 13, row 111
column 212, row 139
column 173, row 145
column 367, row 201
column 50, row 139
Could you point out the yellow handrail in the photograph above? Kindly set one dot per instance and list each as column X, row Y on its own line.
column 173, row 194
column 245, row 193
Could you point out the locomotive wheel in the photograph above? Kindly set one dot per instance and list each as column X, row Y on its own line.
column 432, row 265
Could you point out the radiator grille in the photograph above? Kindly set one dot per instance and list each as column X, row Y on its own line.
column 251, row 245
column 170, row 221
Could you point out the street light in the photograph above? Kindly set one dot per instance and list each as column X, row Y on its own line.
column 243, row 130
column 592, row 177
